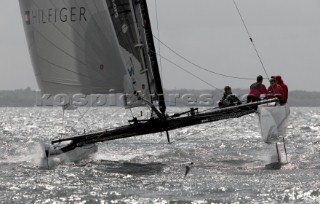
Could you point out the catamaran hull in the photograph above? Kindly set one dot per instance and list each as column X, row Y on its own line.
column 160, row 125
column 82, row 147
column 54, row 155
column 273, row 121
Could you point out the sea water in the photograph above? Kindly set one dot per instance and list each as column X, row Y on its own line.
column 228, row 160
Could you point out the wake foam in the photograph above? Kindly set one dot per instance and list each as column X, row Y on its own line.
column 31, row 152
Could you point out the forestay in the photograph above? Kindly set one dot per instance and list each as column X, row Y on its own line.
column 273, row 121
column 90, row 47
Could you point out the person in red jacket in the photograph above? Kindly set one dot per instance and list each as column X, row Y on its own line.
column 284, row 88
column 275, row 91
column 256, row 89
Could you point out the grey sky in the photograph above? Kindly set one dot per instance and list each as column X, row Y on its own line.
column 209, row 33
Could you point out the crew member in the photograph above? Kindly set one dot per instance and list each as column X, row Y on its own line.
column 256, row 89
column 284, row 88
column 275, row 91
column 228, row 98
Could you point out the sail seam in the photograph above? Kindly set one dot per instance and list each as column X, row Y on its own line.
column 61, row 67
column 77, row 59
column 65, row 35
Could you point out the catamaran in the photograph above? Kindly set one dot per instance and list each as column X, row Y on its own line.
column 107, row 47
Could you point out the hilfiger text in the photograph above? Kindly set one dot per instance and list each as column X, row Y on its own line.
column 55, row 15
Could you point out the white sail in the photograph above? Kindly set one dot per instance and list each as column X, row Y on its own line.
column 87, row 46
column 273, row 121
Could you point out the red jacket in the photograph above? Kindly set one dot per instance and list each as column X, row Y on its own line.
column 256, row 89
column 276, row 91
column 284, row 88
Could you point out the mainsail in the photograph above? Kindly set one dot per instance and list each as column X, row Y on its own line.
column 93, row 47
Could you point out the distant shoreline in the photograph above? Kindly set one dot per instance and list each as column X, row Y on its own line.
column 28, row 97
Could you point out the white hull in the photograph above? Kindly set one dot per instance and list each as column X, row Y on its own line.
column 273, row 121
column 53, row 157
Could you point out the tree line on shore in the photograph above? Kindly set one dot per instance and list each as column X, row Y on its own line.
column 179, row 97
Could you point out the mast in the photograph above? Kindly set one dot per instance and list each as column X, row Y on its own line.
column 153, row 56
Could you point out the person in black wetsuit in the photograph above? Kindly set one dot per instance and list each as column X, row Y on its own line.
column 228, row 98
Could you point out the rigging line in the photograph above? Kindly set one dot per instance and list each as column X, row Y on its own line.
column 115, row 111
column 198, row 66
column 62, row 121
column 189, row 72
column 159, row 47
column 85, row 122
column 80, row 118
column 131, row 113
column 251, row 40
column 119, row 109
